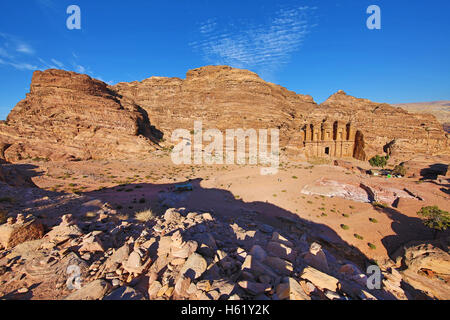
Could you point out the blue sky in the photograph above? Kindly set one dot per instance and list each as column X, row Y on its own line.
column 313, row 47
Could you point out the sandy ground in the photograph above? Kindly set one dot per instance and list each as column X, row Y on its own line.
column 229, row 190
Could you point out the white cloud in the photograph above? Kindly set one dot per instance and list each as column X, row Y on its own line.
column 208, row 26
column 13, row 43
column 58, row 63
column 80, row 69
column 19, row 65
column 24, row 48
column 46, row 65
column 264, row 47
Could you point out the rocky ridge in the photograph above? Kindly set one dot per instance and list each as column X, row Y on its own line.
column 386, row 128
column 224, row 97
column 88, row 119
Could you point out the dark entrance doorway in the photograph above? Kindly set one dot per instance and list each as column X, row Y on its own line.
column 327, row 150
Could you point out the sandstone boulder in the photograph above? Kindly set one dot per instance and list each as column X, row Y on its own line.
column 290, row 289
column 194, row 267
column 12, row 234
column 80, row 115
column 95, row 290
column 320, row 279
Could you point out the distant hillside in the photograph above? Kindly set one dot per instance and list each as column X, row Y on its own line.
column 440, row 109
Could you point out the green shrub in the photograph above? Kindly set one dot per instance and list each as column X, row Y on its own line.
column 373, row 220
column 345, row 227
column 435, row 218
column 399, row 170
column 379, row 204
column 379, row 161
column 372, row 246
column 357, row 236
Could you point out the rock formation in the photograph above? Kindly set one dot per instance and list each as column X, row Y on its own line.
column 385, row 128
column 182, row 255
column 224, row 97
column 87, row 119
column 72, row 116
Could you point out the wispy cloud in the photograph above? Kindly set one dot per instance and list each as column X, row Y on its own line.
column 58, row 63
column 19, row 65
column 25, row 48
column 13, row 50
column 262, row 47
column 80, row 69
column 20, row 55
column 10, row 44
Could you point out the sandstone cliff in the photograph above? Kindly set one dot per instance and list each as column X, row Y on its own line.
column 68, row 115
column 72, row 116
column 386, row 128
column 223, row 98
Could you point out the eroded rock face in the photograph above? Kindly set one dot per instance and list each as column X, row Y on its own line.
column 385, row 128
column 88, row 119
column 426, row 267
column 14, row 232
column 223, row 98
column 78, row 114
column 14, row 176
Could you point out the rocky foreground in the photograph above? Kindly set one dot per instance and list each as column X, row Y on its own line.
column 194, row 255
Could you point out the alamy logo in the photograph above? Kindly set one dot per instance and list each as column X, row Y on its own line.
column 74, row 280
column 374, row 280
column 213, row 153
column 374, row 21
column 74, row 20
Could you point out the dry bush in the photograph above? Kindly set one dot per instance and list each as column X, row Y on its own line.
column 145, row 215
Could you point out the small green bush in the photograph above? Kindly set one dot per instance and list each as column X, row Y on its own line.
column 399, row 170
column 373, row 220
column 379, row 204
column 372, row 246
column 357, row 236
column 435, row 218
column 345, row 227
column 379, row 161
